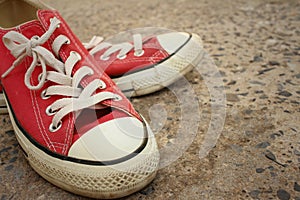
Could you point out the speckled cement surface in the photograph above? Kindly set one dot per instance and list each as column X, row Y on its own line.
column 256, row 47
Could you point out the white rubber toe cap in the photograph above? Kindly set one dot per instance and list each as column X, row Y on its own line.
column 111, row 140
column 171, row 42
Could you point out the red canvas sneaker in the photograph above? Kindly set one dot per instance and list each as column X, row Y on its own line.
column 146, row 65
column 76, row 128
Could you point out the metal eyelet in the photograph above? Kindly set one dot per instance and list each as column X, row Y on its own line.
column 40, row 77
column 103, row 85
column 76, row 54
column 117, row 98
column 139, row 53
column 36, row 37
column 121, row 57
column 68, row 41
column 53, row 128
column 104, row 58
column 39, row 63
column 92, row 71
column 49, row 111
column 44, row 96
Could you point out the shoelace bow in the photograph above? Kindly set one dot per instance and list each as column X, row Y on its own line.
column 96, row 44
column 77, row 98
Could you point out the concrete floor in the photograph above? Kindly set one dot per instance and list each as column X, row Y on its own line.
column 249, row 145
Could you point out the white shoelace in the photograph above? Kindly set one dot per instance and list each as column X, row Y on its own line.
column 77, row 98
column 96, row 44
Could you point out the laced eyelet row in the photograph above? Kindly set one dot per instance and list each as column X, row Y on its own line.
column 50, row 112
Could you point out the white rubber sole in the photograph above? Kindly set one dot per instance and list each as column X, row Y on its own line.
column 165, row 73
column 105, row 182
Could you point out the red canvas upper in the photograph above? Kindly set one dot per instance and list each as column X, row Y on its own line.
column 28, row 106
column 114, row 67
